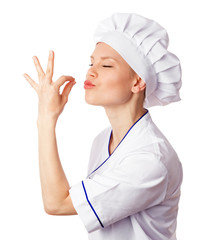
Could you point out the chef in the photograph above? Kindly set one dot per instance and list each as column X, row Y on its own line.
column 132, row 190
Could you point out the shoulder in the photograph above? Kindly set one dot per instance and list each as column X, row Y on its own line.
column 161, row 144
column 146, row 140
column 145, row 136
column 151, row 135
column 166, row 156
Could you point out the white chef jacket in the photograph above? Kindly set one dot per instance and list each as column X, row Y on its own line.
column 134, row 192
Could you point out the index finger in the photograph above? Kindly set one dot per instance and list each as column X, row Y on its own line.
column 49, row 70
column 38, row 67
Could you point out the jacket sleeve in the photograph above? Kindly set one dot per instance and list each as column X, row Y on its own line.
column 139, row 182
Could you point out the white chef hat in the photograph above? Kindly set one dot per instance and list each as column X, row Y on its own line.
column 143, row 45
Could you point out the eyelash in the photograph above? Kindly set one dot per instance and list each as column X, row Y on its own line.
column 102, row 65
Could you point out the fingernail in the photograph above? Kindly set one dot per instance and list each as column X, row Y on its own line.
column 50, row 52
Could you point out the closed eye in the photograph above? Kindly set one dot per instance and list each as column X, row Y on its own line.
column 108, row 66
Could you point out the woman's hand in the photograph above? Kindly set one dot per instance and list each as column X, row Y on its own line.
column 51, row 102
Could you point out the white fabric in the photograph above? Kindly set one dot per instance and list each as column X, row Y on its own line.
column 134, row 192
column 143, row 44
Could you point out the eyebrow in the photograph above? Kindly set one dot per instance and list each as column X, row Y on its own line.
column 106, row 57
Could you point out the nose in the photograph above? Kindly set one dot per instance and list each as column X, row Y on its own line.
column 91, row 72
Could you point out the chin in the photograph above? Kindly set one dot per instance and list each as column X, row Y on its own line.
column 95, row 102
column 103, row 101
column 90, row 100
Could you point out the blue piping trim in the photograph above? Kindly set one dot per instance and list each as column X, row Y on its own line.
column 118, row 144
column 109, row 143
column 99, row 166
column 91, row 205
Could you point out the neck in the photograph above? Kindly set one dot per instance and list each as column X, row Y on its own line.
column 121, row 119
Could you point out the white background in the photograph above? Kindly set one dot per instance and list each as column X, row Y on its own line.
column 29, row 28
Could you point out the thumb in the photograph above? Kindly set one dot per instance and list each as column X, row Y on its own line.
column 67, row 89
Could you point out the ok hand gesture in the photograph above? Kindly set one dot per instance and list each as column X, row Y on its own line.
column 51, row 102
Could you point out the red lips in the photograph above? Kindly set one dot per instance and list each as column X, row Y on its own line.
column 88, row 84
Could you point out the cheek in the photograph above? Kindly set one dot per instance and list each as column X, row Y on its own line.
column 118, row 89
column 119, row 83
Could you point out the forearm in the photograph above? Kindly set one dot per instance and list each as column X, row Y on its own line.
column 55, row 187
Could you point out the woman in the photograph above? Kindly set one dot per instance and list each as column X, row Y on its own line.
column 134, row 175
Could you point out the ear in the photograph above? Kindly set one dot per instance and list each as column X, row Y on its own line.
column 138, row 85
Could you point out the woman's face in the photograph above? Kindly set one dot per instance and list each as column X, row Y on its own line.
column 109, row 80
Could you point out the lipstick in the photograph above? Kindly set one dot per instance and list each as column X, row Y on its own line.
column 88, row 84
